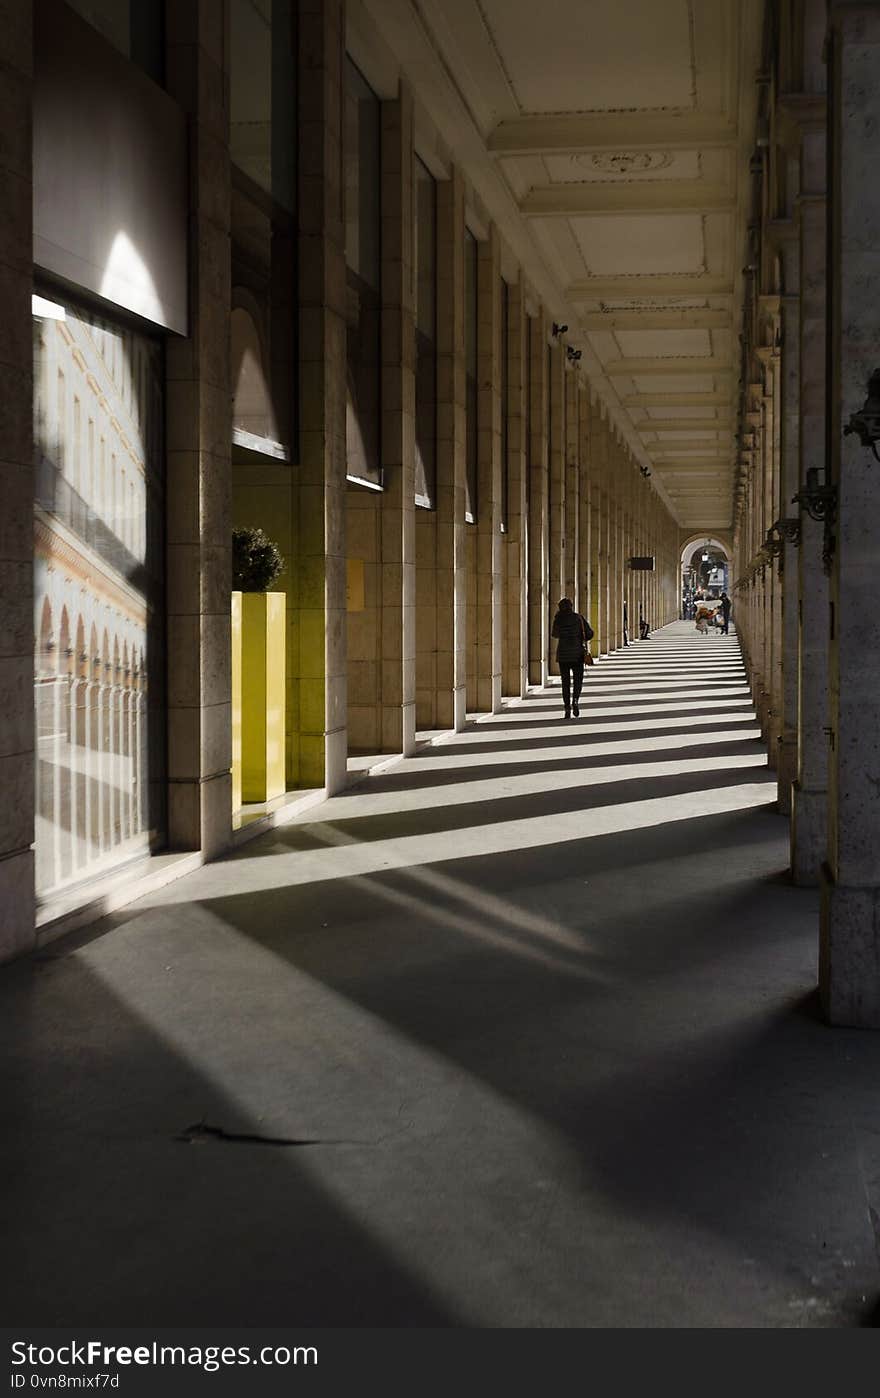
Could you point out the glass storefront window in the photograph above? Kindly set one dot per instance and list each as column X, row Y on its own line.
column 363, row 267
column 426, row 335
column 470, row 336
column 99, row 594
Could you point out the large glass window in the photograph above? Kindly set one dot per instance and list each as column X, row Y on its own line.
column 135, row 27
column 426, row 335
column 262, row 95
column 363, row 264
column 470, row 340
column 99, row 594
column 262, row 144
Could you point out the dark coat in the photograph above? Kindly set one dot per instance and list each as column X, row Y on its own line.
column 569, row 628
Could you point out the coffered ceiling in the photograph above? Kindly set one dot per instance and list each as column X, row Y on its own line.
column 617, row 134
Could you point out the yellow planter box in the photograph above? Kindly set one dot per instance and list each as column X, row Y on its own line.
column 262, row 695
column 236, row 701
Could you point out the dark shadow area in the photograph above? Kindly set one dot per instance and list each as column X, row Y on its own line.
column 693, row 1119
column 108, row 1219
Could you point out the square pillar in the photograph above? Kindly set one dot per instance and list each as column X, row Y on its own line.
column 318, row 594
column 397, row 577
column 488, row 531
column 584, row 534
column 199, row 436
column 571, row 531
column 556, row 489
column 449, row 570
column 17, row 755
column 516, row 630
column 539, row 522
column 809, row 822
column 849, row 954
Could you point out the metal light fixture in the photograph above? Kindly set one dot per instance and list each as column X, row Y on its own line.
column 559, row 329
column 865, row 424
column 820, row 503
column 573, row 355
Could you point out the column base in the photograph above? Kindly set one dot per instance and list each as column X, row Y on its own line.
column 17, row 905
column 849, row 954
column 809, row 834
column 786, row 769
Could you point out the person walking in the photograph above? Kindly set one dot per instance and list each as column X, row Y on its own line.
column 725, row 612
column 572, row 632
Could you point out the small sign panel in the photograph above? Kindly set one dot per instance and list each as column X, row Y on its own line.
column 645, row 564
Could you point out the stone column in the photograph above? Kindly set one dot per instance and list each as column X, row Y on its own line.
column 809, row 828
column 584, row 551
column 516, row 538
column 539, row 540
column 556, row 491
column 602, row 530
column 849, row 955
column 450, row 559
column 17, row 753
column 571, row 533
column 397, row 580
column 595, row 497
column 615, row 545
column 320, row 582
column 489, row 539
column 199, row 437
column 789, row 448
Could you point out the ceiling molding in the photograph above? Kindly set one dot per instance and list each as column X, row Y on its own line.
column 673, row 366
column 650, row 319
column 676, row 400
column 649, row 130
column 684, row 424
column 658, row 284
column 646, row 197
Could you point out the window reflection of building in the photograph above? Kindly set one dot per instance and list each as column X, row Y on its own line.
column 98, row 597
column 363, row 267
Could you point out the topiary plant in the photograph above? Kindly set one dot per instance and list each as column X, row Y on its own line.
column 256, row 561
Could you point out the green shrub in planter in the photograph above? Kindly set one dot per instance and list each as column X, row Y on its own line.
column 256, row 561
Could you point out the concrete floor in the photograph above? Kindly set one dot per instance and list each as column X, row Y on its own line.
column 532, row 1015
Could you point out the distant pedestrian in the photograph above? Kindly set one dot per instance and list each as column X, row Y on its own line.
column 572, row 632
column 725, row 612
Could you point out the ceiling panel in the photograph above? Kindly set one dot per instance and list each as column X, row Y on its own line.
column 646, row 343
column 627, row 245
column 571, row 56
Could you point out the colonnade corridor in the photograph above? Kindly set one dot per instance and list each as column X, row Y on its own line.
column 518, row 1033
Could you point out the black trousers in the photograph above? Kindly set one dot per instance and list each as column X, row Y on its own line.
column 572, row 672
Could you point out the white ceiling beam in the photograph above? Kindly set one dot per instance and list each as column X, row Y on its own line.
column 715, row 463
column 653, row 284
column 650, row 198
column 657, row 320
column 676, row 400
column 668, row 367
column 683, row 424
column 616, row 131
